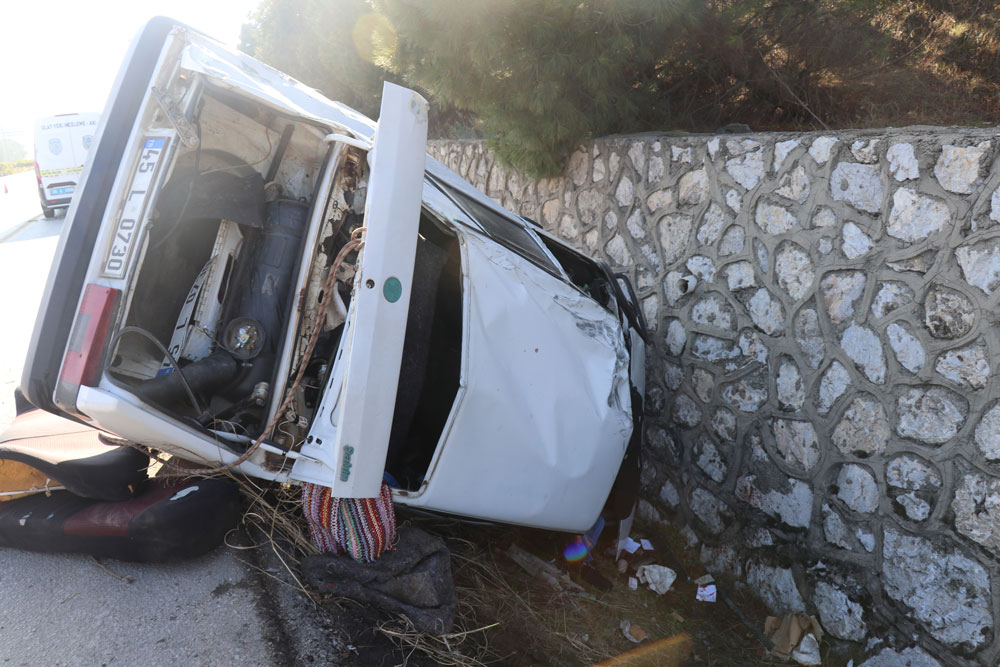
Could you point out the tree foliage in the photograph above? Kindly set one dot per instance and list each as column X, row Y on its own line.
column 11, row 151
column 541, row 74
column 538, row 77
column 314, row 41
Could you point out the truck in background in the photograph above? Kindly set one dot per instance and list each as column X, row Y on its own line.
column 61, row 146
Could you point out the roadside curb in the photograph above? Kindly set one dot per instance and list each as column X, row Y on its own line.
column 16, row 230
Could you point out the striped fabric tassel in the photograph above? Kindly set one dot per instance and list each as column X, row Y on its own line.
column 361, row 527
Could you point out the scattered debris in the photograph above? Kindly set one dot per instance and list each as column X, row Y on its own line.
column 630, row 545
column 646, row 544
column 706, row 593
column 633, row 584
column 539, row 569
column 123, row 578
column 808, row 651
column 633, row 633
column 794, row 636
column 659, row 577
column 706, row 589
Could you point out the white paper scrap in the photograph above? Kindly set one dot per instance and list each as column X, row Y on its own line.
column 706, row 593
column 630, row 545
column 646, row 544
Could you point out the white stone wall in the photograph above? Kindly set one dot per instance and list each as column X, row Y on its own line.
column 822, row 404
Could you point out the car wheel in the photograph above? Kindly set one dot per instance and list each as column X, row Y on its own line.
column 48, row 212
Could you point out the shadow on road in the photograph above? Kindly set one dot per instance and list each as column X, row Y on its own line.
column 37, row 228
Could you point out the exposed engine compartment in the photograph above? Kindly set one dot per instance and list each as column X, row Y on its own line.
column 231, row 275
column 206, row 321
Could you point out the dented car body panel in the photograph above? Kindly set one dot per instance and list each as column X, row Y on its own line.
column 480, row 366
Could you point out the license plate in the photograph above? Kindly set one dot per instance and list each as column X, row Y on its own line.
column 61, row 191
column 133, row 211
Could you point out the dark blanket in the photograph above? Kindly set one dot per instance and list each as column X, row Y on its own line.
column 414, row 580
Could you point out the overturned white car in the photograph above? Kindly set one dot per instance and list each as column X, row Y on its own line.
column 247, row 264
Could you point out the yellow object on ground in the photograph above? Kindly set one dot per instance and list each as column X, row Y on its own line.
column 670, row 652
column 18, row 479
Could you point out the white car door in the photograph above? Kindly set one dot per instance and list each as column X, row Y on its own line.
column 350, row 434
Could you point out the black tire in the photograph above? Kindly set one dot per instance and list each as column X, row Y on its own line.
column 48, row 212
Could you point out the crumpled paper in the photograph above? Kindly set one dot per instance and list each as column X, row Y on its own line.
column 659, row 577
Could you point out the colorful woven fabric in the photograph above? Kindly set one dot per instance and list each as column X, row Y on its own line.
column 361, row 527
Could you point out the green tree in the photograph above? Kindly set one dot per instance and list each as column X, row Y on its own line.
column 11, row 151
column 539, row 77
column 542, row 75
column 331, row 45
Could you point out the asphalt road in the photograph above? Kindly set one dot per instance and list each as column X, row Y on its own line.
column 18, row 201
column 226, row 608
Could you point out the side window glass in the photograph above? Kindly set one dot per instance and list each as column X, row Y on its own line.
column 506, row 231
column 442, row 205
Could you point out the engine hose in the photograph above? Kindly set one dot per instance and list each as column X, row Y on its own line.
column 356, row 243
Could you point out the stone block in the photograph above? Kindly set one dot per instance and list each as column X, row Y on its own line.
column 794, row 270
column 675, row 233
column 890, row 296
column 864, row 348
column 840, row 616
column 797, row 443
column 948, row 592
column 712, row 512
column 857, row 184
column 840, row 290
column 788, row 383
column 732, row 241
column 914, row 217
column 776, row 587
column 822, row 149
column 931, row 415
column 774, row 219
column 712, row 225
column 864, row 428
column 957, row 168
column 967, row 366
column 693, row 187
column 980, row 264
column 747, row 169
column 832, row 385
column 714, row 311
column 907, row 348
column 857, row 488
column 903, row 162
column 948, row 313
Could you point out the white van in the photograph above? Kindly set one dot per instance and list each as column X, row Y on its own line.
column 61, row 146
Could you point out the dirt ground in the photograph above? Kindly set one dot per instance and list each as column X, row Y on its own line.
column 507, row 617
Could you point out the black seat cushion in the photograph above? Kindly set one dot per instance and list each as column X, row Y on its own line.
column 171, row 519
column 87, row 462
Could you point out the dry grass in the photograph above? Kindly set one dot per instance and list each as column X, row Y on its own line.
column 504, row 616
column 835, row 63
column 528, row 623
